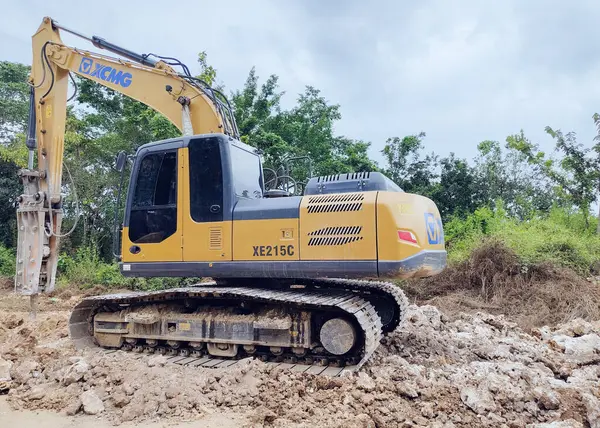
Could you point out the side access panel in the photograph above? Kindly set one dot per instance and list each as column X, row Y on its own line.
column 338, row 227
column 266, row 229
column 265, row 240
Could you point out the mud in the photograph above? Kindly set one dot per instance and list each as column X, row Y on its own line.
column 471, row 370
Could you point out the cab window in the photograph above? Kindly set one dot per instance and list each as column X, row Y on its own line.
column 246, row 173
column 206, row 180
column 153, row 215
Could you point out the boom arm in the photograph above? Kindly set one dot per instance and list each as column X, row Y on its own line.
column 190, row 104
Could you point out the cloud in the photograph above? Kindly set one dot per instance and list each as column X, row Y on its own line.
column 461, row 71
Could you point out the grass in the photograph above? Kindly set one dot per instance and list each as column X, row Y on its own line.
column 559, row 238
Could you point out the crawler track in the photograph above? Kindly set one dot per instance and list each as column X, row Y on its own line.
column 364, row 302
column 220, row 363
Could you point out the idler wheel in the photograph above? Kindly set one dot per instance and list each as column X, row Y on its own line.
column 337, row 336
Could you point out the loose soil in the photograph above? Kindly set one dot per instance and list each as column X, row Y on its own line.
column 468, row 370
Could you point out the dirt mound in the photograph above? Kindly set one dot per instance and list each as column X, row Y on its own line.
column 474, row 370
column 494, row 280
column 6, row 283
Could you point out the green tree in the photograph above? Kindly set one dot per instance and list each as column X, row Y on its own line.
column 14, row 99
column 406, row 167
column 14, row 108
column 457, row 191
column 207, row 72
column 504, row 174
column 307, row 129
column 10, row 188
column 576, row 175
column 596, row 148
column 257, row 114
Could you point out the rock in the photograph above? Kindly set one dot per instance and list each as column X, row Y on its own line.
column 24, row 371
column 75, row 372
column 171, row 392
column 592, row 407
column 568, row 423
column 128, row 389
column 496, row 419
column 532, row 408
column 365, row 382
column 92, row 404
column 426, row 316
column 37, row 392
column 5, row 367
column 547, row 398
column 433, row 316
column 479, row 400
column 157, row 360
column 120, row 399
column 580, row 327
column 576, row 327
column 150, row 407
column 356, row 394
column 367, row 399
column 406, row 390
column 421, row 421
column 73, row 407
column 493, row 351
column 263, row 415
column 363, row 420
column 587, row 345
column 132, row 411
column 427, row 410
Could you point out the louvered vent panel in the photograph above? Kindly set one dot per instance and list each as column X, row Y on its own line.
column 348, row 176
column 335, row 235
column 215, row 238
column 337, row 230
column 335, row 203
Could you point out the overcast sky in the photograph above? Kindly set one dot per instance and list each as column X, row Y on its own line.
column 462, row 71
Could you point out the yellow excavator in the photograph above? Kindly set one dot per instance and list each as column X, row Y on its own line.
column 297, row 278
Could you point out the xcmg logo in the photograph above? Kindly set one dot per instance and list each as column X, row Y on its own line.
column 435, row 231
column 104, row 72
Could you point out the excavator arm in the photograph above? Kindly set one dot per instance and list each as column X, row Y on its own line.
column 190, row 104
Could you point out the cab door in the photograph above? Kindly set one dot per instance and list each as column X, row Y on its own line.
column 207, row 222
column 153, row 228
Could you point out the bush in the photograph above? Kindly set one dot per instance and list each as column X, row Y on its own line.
column 494, row 279
column 109, row 274
column 559, row 237
column 7, row 262
column 86, row 270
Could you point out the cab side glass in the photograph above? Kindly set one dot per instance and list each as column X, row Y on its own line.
column 154, row 209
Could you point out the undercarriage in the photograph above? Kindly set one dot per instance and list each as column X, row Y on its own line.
column 331, row 322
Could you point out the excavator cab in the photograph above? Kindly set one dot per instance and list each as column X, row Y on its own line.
column 188, row 187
